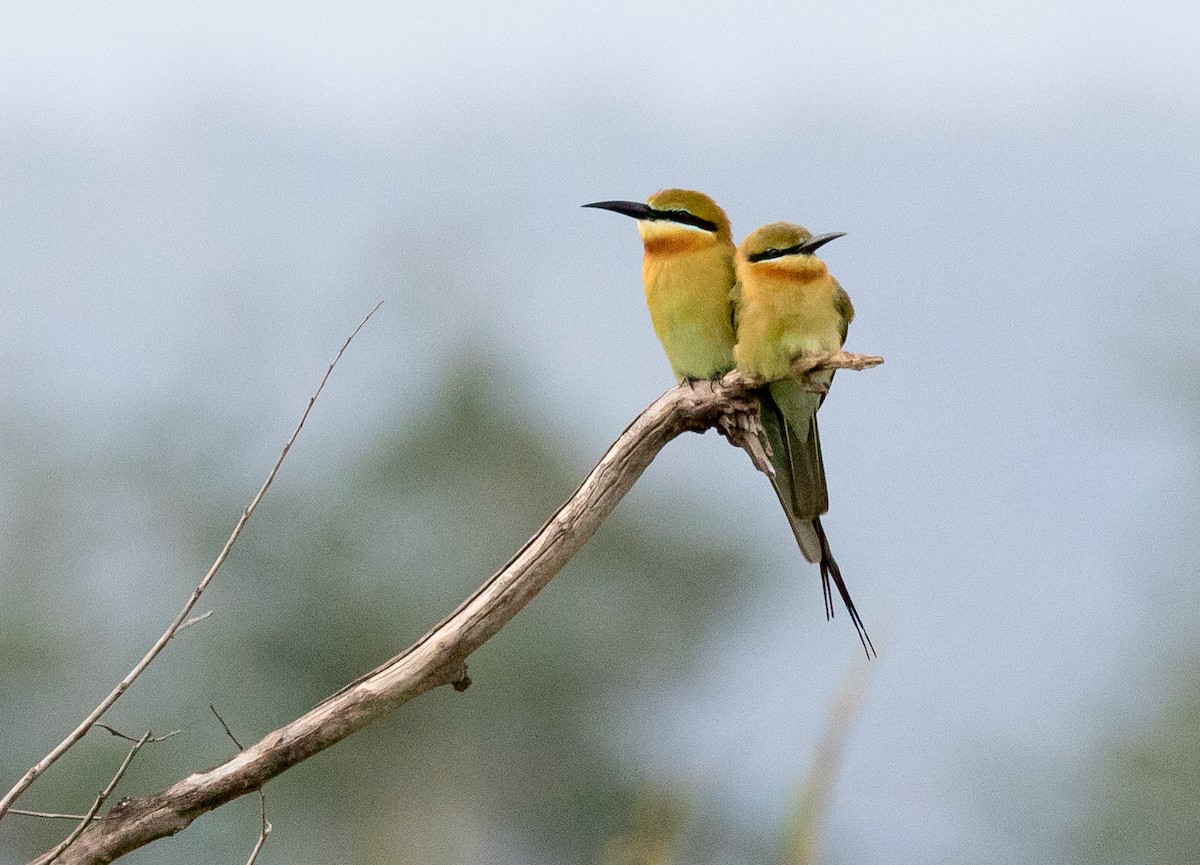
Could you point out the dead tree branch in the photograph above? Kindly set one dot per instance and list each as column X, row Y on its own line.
column 181, row 619
column 439, row 657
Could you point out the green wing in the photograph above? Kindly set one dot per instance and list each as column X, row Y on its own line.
column 796, row 457
column 798, row 408
column 735, row 306
column 845, row 308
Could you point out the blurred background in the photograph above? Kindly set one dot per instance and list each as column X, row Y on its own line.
column 199, row 202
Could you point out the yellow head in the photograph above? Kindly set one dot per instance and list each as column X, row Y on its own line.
column 675, row 220
column 783, row 249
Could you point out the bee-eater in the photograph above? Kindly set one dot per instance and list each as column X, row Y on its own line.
column 786, row 303
column 687, row 271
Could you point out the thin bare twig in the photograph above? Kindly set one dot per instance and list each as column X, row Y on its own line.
column 21, row 812
column 263, row 832
column 439, row 657
column 225, row 727
column 101, row 798
column 194, row 620
column 129, row 738
column 86, row 724
column 262, row 797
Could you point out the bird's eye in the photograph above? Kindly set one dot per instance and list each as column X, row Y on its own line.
column 770, row 253
column 684, row 217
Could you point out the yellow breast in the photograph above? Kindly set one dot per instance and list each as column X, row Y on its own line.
column 687, row 291
column 783, row 313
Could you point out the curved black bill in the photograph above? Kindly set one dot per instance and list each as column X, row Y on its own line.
column 636, row 209
column 814, row 243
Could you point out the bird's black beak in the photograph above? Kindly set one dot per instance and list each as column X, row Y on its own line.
column 814, row 243
column 636, row 209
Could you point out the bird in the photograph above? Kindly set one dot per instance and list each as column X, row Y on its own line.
column 786, row 303
column 688, row 273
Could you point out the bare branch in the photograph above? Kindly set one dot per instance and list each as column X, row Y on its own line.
column 86, row 724
column 21, row 812
column 101, row 798
column 439, row 657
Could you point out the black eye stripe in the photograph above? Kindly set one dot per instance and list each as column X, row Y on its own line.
column 683, row 218
column 768, row 254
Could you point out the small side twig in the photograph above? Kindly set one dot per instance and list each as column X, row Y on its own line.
column 193, row 620
column 262, row 797
column 101, row 798
column 225, row 727
column 22, row 812
column 263, row 833
column 129, row 738
column 86, row 724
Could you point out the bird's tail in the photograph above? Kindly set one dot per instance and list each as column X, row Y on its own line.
column 799, row 483
column 799, row 480
column 831, row 571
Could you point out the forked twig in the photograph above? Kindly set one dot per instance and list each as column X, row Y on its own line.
column 101, row 798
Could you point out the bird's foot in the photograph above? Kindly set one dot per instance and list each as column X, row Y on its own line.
column 812, row 384
column 693, row 383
